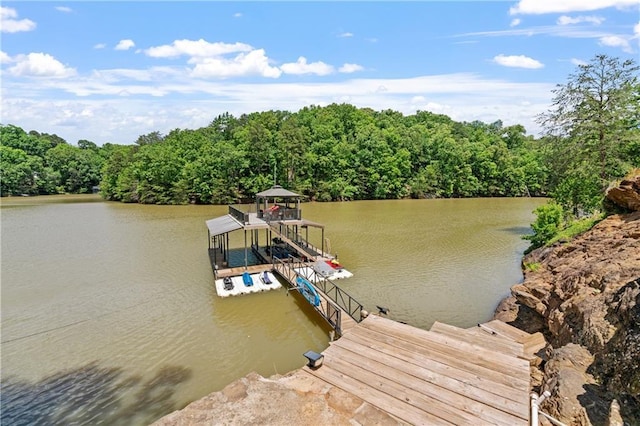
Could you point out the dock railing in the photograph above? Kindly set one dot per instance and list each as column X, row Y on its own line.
column 328, row 288
column 282, row 213
column 242, row 217
column 329, row 310
column 343, row 299
column 301, row 242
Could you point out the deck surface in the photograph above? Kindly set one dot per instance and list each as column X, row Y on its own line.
column 429, row 377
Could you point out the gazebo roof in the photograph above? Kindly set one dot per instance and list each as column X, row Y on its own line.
column 277, row 191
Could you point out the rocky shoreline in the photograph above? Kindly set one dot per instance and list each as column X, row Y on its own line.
column 583, row 295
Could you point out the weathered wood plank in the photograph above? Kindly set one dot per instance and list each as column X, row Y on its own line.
column 397, row 384
column 532, row 343
column 486, row 340
column 449, row 379
column 393, row 405
column 504, row 329
column 430, row 391
column 456, row 367
column 492, row 360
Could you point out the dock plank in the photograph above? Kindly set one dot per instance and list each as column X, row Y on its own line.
column 476, row 387
column 491, row 359
column 425, row 377
column 504, row 329
column 455, row 367
column 393, row 405
column 394, row 383
column 486, row 340
column 429, row 391
column 503, row 383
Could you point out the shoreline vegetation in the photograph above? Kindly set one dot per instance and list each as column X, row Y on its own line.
column 332, row 153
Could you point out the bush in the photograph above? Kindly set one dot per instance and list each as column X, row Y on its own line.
column 547, row 224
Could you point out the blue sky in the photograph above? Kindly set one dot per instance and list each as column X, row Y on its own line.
column 111, row 71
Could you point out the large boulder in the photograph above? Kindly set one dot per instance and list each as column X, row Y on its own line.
column 627, row 193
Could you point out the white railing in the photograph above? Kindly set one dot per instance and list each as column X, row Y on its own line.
column 536, row 401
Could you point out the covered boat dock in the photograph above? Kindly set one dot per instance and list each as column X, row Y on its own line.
column 278, row 218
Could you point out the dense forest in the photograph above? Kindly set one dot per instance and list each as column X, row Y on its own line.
column 337, row 152
column 340, row 152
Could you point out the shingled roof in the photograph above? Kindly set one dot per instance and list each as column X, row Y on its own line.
column 277, row 191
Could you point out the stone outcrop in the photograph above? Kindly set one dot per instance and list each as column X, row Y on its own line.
column 584, row 295
column 294, row 399
column 627, row 193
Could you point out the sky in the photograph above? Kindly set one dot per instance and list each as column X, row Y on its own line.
column 110, row 71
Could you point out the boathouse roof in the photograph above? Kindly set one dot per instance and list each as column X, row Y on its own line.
column 277, row 191
column 222, row 225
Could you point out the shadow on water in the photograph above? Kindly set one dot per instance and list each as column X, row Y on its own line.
column 91, row 394
column 518, row 230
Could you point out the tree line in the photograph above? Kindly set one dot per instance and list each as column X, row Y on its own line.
column 337, row 152
column 340, row 152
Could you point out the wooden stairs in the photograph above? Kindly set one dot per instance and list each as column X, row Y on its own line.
column 446, row 375
column 500, row 336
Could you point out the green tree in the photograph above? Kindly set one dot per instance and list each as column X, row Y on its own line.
column 118, row 157
column 549, row 220
column 15, row 137
column 79, row 168
column 591, row 130
column 25, row 174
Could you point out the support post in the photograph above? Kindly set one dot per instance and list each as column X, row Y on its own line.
column 245, row 250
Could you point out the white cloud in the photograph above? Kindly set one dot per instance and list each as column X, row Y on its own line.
column 100, row 46
column 196, row 48
column 462, row 96
column 4, row 58
column 517, row 61
column 125, row 44
column 302, row 67
column 237, row 15
column 616, row 41
column 577, row 62
column 9, row 23
column 345, row 35
column 538, row 7
column 64, row 9
column 349, row 68
column 39, row 65
column 515, row 22
column 568, row 20
column 636, row 30
column 569, row 31
column 253, row 63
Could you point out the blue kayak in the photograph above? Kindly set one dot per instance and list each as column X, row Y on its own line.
column 246, row 278
column 308, row 291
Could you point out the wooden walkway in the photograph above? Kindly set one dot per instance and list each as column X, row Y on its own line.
column 326, row 307
column 443, row 376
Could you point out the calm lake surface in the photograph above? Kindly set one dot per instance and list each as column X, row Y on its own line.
column 109, row 313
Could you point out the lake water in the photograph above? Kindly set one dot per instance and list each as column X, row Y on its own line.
column 109, row 313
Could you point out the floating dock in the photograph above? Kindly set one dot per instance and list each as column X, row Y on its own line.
column 277, row 240
column 240, row 288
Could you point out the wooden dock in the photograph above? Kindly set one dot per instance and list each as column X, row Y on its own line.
column 337, row 317
column 443, row 376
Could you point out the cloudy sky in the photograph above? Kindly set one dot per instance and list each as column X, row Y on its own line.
column 111, row 71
